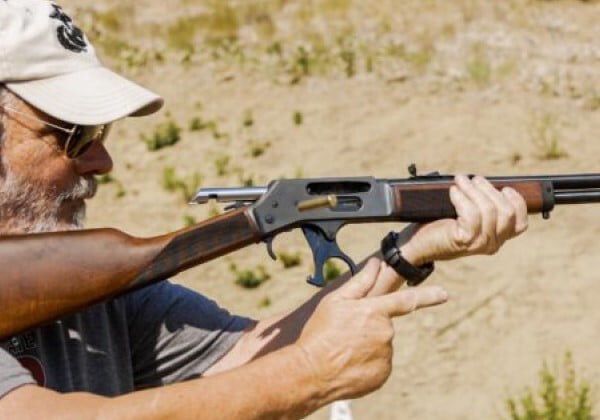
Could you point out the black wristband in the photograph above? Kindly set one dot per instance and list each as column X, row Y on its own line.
column 390, row 248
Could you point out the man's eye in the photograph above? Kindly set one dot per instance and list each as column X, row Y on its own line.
column 61, row 137
column 46, row 131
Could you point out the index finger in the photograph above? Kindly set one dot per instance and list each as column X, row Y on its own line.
column 405, row 301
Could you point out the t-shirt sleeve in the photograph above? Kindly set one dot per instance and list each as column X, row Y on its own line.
column 176, row 334
column 12, row 374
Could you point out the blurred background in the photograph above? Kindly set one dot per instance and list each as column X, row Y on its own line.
column 262, row 89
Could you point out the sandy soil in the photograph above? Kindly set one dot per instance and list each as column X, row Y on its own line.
column 533, row 301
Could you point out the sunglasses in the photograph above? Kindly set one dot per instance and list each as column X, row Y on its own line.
column 79, row 137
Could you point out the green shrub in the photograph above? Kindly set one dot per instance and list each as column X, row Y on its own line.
column 121, row 192
column 301, row 65
column 246, row 180
column 165, row 134
column 264, row 302
column 248, row 119
column 559, row 397
column 223, row 21
column 250, row 278
column 213, row 210
column 593, row 102
column 298, row 118
column 348, row 57
column 197, row 124
column 182, row 33
column 222, row 165
column 105, row 179
column 258, row 148
column 331, row 270
column 109, row 19
column 186, row 186
column 189, row 220
column 290, row 260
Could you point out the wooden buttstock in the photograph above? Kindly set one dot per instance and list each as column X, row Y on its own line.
column 51, row 275
column 428, row 202
column 197, row 244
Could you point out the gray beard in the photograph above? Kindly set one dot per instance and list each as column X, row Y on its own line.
column 29, row 208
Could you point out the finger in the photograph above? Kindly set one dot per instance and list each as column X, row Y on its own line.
column 520, row 206
column 506, row 212
column 486, row 208
column 405, row 301
column 387, row 281
column 359, row 285
column 468, row 217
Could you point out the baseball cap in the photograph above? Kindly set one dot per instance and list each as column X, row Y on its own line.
column 49, row 62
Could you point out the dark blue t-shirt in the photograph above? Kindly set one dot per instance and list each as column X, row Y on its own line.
column 157, row 335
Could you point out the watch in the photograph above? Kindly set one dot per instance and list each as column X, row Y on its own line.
column 390, row 248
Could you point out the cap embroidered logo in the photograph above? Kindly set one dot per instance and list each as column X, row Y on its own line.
column 69, row 35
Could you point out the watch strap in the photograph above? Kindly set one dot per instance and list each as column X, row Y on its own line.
column 414, row 275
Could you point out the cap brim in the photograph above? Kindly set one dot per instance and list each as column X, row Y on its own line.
column 89, row 97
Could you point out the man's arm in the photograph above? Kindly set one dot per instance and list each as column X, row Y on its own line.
column 327, row 362
column 245, row 392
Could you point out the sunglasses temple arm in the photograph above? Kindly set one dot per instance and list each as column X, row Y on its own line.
column 49, row 124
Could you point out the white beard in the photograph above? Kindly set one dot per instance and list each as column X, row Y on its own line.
column 27, row 208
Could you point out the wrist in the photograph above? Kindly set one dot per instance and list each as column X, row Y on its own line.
column 319, row 390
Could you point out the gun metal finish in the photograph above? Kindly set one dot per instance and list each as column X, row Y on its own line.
column 224, row 195
column 321, row 206
column 358, row 199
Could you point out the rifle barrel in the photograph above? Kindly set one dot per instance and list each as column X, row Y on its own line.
column 577, row 196
column 560, row 182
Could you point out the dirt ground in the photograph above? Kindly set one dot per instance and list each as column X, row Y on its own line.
column 500, row 77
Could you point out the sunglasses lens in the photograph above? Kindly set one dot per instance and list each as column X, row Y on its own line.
column 83, row 137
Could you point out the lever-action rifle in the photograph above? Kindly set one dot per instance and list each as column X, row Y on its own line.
column 50, row 275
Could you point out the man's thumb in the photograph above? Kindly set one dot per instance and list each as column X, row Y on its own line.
column 359, row 285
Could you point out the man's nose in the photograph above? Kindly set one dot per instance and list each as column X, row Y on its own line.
column 95, row 160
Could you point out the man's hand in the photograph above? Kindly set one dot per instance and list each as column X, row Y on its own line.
column 347, row 342
column 486, row 219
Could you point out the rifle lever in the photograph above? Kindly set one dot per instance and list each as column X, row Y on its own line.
column 323, row 249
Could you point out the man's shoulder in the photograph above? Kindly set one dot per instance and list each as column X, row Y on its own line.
column 165, row 299
column 159, row 292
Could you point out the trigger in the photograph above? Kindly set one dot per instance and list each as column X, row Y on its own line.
column 269, row 243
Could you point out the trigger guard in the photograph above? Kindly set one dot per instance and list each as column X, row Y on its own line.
column 323, row 249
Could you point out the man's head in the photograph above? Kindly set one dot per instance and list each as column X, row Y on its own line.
column 41, row 189
column 50, row 79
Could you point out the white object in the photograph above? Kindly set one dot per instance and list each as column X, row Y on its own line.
column 49, row 62
column 340, row 410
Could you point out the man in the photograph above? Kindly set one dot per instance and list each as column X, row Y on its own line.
column 108, row 360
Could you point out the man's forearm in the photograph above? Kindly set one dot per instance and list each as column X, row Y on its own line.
column 273, row 333
column 279, row 385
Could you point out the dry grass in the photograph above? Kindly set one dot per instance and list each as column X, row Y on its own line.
column 545, row 137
